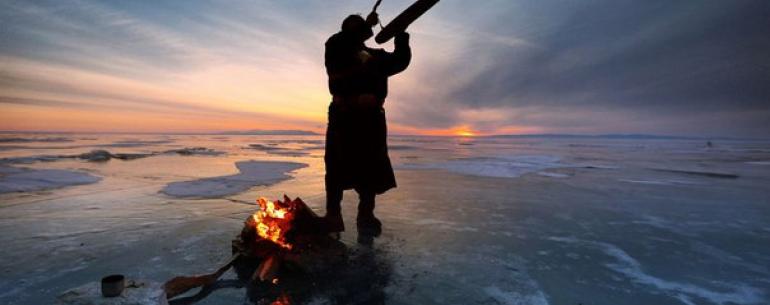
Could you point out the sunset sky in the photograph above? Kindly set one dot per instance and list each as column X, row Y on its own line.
column 483, row 67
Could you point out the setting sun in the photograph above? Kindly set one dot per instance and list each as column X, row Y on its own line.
column 465, row 133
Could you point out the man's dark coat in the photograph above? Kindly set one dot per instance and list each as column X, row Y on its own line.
column 356, row 136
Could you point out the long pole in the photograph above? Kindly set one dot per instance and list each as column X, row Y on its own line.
column 376, row 5
column 403, row 20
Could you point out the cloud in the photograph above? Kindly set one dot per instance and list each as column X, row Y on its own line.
column 649, row 63
column 596, row 66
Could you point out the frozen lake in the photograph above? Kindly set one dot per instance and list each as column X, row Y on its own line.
column 473, row 220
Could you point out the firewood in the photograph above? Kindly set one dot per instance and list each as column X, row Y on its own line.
column 268, row 269
column 309, row 244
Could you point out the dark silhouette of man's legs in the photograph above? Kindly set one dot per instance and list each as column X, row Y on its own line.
column 333, row 217
column 333, row 201
column 366, row 222
column 365, row 204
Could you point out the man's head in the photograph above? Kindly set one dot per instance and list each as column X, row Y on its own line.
column 358, row 27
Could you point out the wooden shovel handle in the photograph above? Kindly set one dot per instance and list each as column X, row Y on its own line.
column 182, row 284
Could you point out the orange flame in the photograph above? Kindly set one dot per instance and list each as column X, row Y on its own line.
column 273, row 220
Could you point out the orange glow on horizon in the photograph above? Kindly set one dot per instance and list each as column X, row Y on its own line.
column 465, row 133
column 203, row 101
column 461, row 131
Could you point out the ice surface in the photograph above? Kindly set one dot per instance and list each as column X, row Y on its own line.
column 630, row 267
column 514, row 297
column 14, row 179
column 275, row 149
column 501, row 167
column 759, row 162
column 661, row 181
column 699, row 173
column 402, row 147
column 33, row 139
column 553, row 175
column 252, row 173
column 136, row 292
column 137, row 143
column 189, row 151
column 616, row 230
column 100, row 155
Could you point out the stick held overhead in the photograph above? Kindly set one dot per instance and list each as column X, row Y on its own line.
column 403, row 20
column 376, row 5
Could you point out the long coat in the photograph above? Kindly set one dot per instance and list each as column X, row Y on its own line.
column 356, row 137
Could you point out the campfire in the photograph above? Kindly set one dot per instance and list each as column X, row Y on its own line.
column 274, row 220
column 281, row 233
column 283, row 238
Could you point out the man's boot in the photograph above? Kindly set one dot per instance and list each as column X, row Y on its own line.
column 333, row 222
column 366, row 222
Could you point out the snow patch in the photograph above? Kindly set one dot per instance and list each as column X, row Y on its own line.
column 553, row 175
column 15, row 179
column 252, row 173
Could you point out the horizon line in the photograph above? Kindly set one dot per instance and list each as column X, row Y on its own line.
column 301, row 132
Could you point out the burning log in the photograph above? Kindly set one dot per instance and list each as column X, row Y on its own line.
column 282, row 239
column 268, row 270
column 283, row 235
column 273, row 221
column 282, row 300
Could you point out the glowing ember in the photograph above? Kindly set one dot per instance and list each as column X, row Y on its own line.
column 282, row 300
column 273, row 220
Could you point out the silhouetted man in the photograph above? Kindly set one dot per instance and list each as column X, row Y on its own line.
column 356, row 136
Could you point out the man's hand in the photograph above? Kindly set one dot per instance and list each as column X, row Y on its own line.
column 373, row 19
